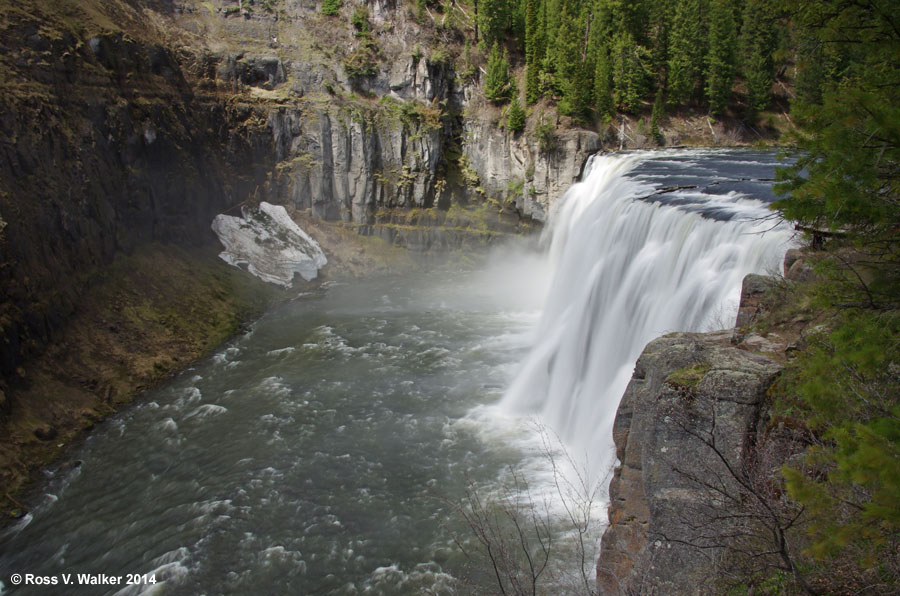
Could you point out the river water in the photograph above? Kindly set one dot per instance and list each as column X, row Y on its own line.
column 324, row 451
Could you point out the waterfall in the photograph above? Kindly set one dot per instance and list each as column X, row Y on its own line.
column 633, row 260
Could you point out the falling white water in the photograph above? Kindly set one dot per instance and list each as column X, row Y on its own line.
column 627, row 270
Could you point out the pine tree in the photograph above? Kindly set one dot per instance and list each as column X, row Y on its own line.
column 331, row 7
column 497, row 81
column 659, row 29
column 515, row 117
column 759, row 42
column 847, row 179
column 571, row 76
column 493, row 17
column 720, row 61
column 532, row 41
column 629, row 71
column 686, row 52
column 603, row 94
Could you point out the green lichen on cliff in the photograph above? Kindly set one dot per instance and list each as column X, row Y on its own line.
column 688, row 377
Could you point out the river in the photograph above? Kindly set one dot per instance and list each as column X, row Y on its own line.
column 324, row 451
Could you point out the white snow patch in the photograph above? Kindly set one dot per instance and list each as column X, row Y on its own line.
column 270, row 244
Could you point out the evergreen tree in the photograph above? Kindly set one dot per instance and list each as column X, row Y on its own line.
column 497, row 81
column 629, row 71
column 686, row 52
column 532, row 62
column 847, row 179
column 571, row 76
column 603, row 93
column 720, row 61
column 515, row 117
column 331, row 7
column 493, row 17
column 759, row 42
column 516, row 24
column 660, row 19
column 551, row 16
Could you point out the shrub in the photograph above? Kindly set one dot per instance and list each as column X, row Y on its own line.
column 331, row 7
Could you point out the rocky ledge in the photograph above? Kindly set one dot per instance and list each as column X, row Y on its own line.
column 690, row 412
column 698, row 453
column 694, row 449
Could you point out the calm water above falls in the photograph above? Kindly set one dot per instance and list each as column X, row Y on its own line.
column 314, row 455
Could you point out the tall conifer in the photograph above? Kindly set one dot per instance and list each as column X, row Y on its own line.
column 497, row 82
column 721, row 57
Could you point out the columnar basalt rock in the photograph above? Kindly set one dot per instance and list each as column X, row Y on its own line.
column 516, row 167
column 346, row 165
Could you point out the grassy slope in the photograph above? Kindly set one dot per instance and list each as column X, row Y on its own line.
column 144, row 317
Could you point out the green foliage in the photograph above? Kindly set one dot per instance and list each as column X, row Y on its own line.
column 331, row 7
column 615, row 54
column 440, row 55
column 572, row 77
column 532, row 55
column 497, row 81
column 467, row 70
column 720, row 61
column 515, row 117
column 848, row 382
column 493, row 20
column 545, row 133
column 630, row 73
column 362, row 62
column 686, row 50
column 847, row 175
column 689, row 377
column 360, row 19
column 845, row 383
column 759, row 40
column 603, row 93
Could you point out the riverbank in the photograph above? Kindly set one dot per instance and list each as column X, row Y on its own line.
column 143, row 319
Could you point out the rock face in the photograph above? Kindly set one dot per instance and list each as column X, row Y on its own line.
column 753, row 290
column 345, row 164
column 87, row 171
column 688, row 391
column 517, row 168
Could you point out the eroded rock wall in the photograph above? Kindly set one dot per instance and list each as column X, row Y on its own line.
column 346, row 164
column 518, row 168
column 104, row 147
column 692, row 398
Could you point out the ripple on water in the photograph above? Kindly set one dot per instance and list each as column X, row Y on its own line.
column 207, row 410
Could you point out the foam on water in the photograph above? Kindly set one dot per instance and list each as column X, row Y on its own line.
column 630, row 266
